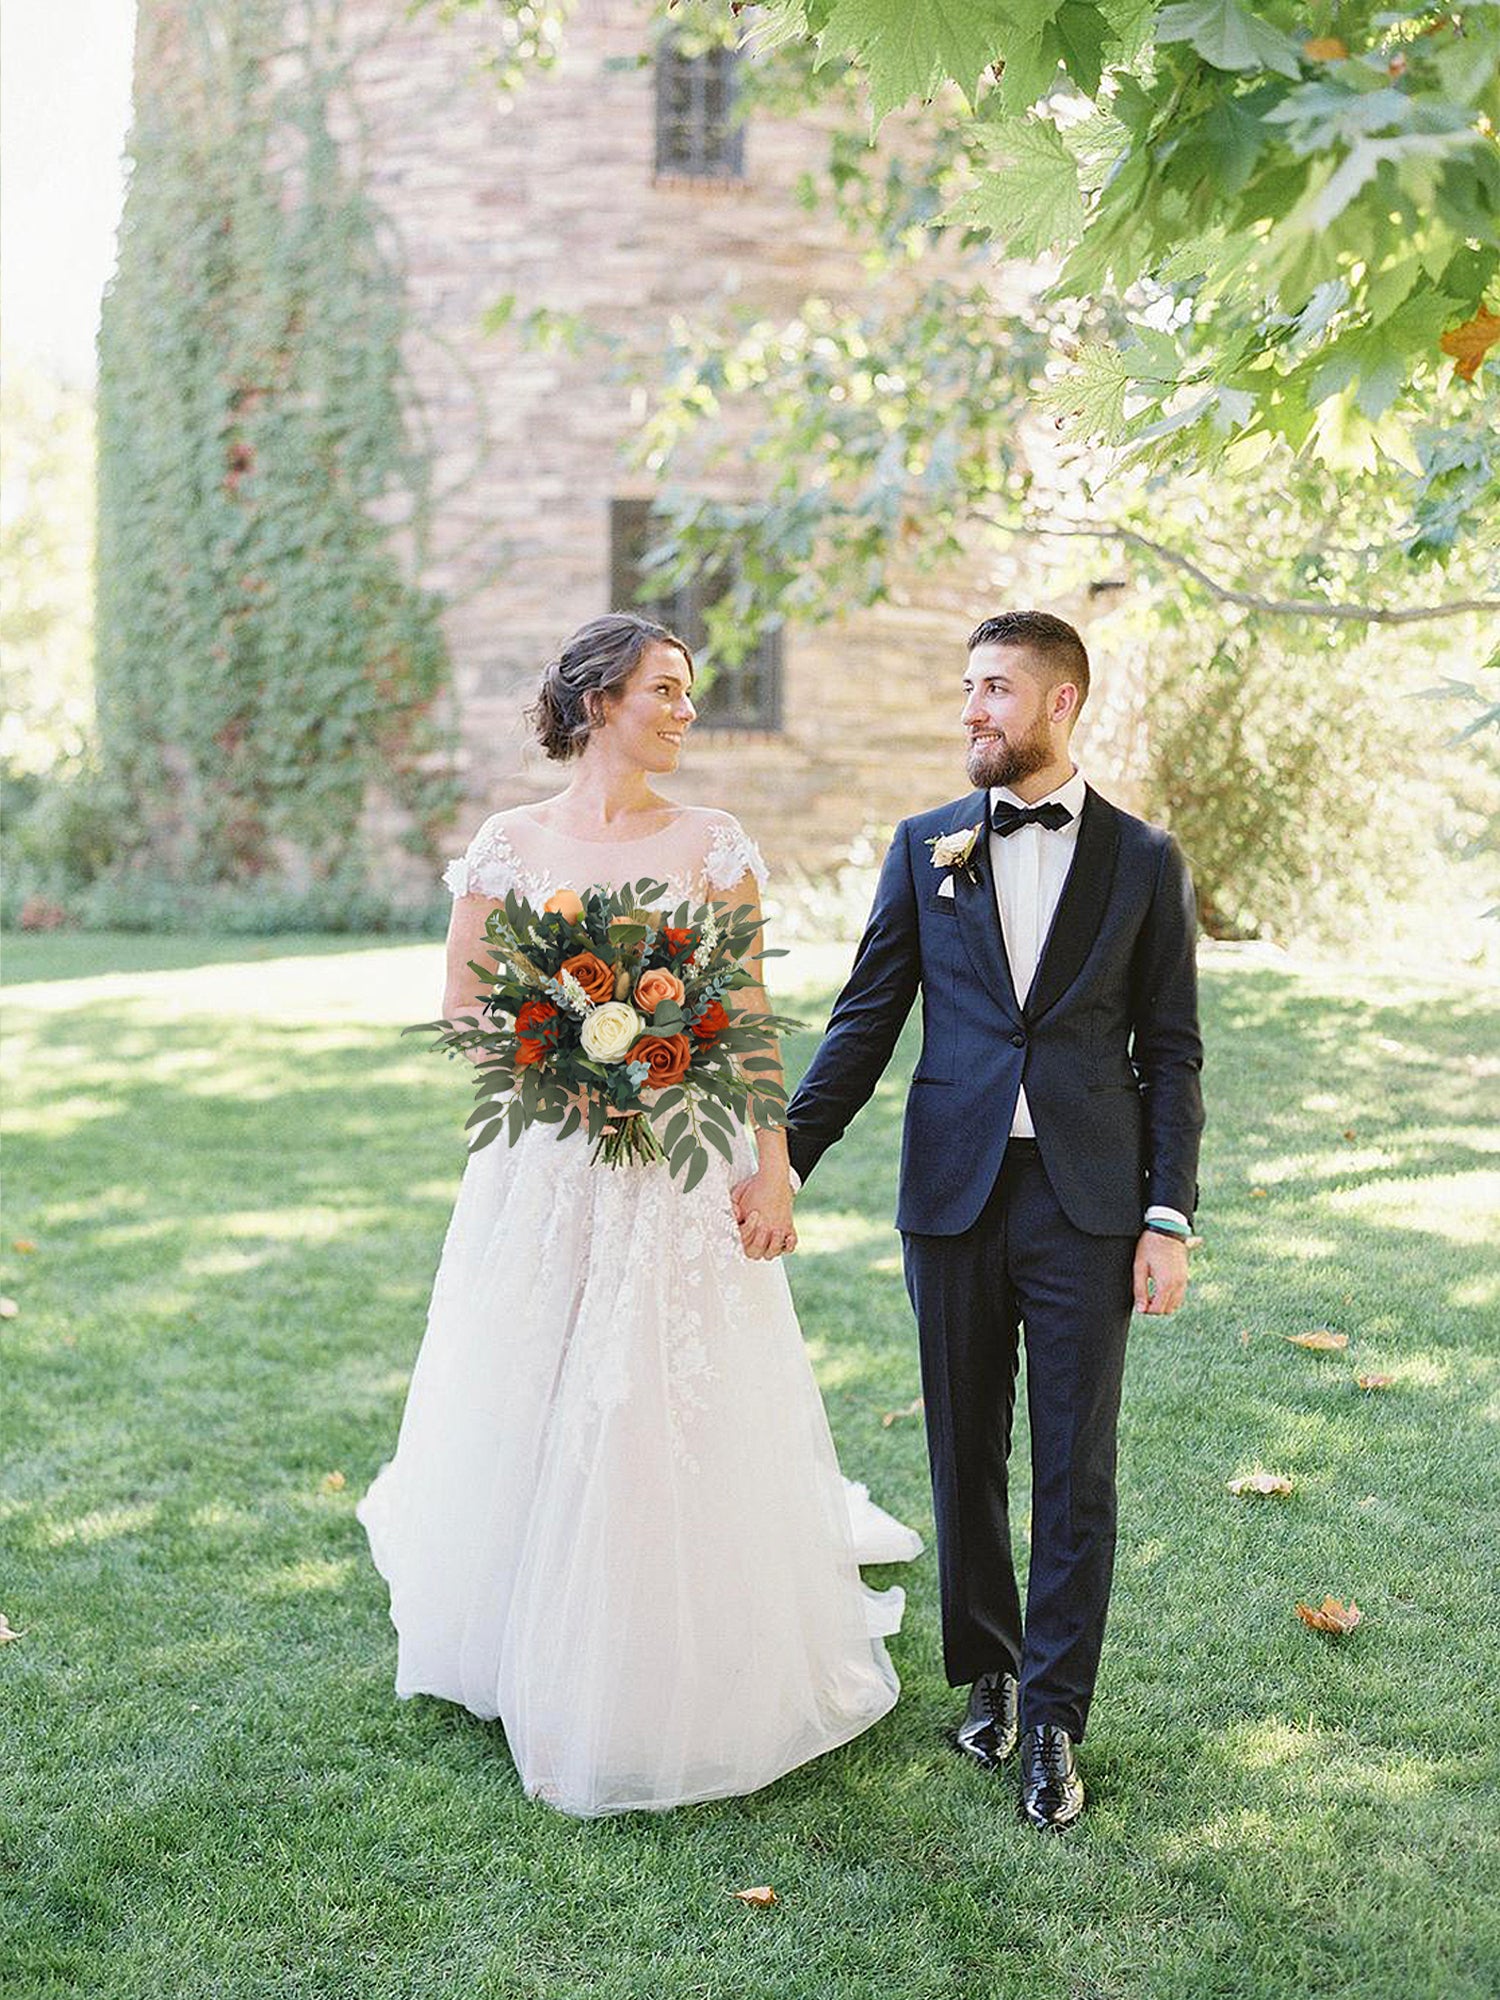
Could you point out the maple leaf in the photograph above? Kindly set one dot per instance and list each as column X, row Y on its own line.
column 1093, row 392
column 333, row 1482
column 1261, row 1482
column 1027, row 196
column 909, row 46
column 23, row 1244
column 1229, row 36
column 1470, row 343
column 1374, row 1381
column 895, row 1416
column 6, row 1630
column 8, row 1308
column 1332, row 1615
column 1325, row 48
column 761, row 1898
column 1320, row 1340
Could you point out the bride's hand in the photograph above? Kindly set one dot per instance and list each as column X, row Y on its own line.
column 763, row 1210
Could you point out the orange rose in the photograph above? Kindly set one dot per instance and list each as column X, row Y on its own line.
column 537, row 1028
column 679, row 942
column 592, row 974
column 668, row 1058
column 711, row 1023
column 565, row 904
column 655, row 986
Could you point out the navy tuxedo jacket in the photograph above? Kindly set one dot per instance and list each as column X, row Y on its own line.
column 1107, row 1042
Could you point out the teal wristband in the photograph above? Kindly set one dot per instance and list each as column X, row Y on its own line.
column 1175, row 1230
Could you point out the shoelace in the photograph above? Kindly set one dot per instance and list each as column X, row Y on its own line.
column 1050, row 1755
column 994, row 1700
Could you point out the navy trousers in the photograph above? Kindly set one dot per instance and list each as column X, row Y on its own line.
column 1023, row 1264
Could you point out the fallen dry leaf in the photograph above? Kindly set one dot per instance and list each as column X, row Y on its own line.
column 1470, row 343
column 1257, row 1194
column 1244, row 1336
column 333, row 1482
column 895, row 1416
column 1320, row 1340
column 1349, row 1133
column 8, row 1308
column 1374, row 1381
column 24, row 1244
column 762, row 1898
column 1325, row 48
column 1261, row 1482
column 1332, row 1615
column 6, row 1632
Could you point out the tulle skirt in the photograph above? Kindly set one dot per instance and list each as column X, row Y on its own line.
column 615, row 1518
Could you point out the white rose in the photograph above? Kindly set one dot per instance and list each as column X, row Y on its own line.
column 609, row 1031
column 951, row 850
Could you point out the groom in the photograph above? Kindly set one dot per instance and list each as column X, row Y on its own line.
column 1047, row 1170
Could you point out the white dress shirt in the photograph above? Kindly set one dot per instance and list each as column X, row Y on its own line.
column 1030, row 867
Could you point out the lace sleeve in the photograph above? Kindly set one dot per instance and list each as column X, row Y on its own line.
column 488, row 867
column 731, row 856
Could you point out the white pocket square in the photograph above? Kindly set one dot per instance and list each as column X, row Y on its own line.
column 946, row 888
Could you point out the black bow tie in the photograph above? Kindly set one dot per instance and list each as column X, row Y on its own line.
column 1006, row 817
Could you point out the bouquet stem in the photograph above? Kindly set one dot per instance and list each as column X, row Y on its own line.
column 629, row 1140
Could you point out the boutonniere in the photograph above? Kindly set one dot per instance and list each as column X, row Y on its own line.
column 956, row 850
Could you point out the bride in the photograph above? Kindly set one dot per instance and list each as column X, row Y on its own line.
column 614, row 1518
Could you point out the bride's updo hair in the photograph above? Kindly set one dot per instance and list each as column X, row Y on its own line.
column 600, row 657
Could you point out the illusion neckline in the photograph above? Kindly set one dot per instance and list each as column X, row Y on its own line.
column 581, row 840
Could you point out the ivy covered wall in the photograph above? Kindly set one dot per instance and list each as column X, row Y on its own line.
column 268, row 663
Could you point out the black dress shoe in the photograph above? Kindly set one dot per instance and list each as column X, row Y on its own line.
column 1051, row 1789
column 988, row 1730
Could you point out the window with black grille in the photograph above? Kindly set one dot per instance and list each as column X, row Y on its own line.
column 698, row 136
column 747, row 696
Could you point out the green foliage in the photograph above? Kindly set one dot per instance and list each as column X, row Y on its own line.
column 1304, row 802
column 528, row 34
column 264, row 659
column 46, row 571
column 531, row 1051
column 1300, row 209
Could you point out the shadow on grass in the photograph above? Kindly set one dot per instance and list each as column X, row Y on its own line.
column 236, row 1227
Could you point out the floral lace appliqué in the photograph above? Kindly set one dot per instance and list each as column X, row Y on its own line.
column 731, row 856
column 490, row 866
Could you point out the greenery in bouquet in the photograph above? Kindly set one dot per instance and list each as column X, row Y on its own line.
column 604, row 1012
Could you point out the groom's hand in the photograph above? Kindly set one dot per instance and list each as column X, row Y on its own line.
column 1161, row 1272
column 763, row 1210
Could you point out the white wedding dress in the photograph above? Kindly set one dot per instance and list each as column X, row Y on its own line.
column 615, row 1518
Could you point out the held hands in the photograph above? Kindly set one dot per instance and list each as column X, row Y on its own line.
column 1161, row 1273
column 763, row 1210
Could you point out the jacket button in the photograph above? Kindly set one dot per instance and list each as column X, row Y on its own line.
column 1018, row 1041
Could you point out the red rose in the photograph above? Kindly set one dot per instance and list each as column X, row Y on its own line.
column 536, row 1031
column 712, row 1022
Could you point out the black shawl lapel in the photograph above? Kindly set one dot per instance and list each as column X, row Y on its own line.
column 977, row 910
column 1081, row 906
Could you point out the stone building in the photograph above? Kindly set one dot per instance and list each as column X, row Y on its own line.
column 623, row 192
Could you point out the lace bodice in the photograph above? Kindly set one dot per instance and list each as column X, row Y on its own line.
column 701, row 852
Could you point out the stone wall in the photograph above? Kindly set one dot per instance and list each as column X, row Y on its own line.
column 548, row 194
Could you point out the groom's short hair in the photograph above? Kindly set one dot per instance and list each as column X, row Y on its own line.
column 1052, row 639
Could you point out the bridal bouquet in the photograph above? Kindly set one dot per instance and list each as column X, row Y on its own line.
column 604, row 1011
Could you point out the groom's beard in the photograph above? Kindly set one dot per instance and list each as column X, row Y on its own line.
column 1001, row 762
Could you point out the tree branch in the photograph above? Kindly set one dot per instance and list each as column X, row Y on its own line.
column 1278, row 607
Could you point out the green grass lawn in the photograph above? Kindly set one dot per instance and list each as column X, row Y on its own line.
column 236, row 1177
